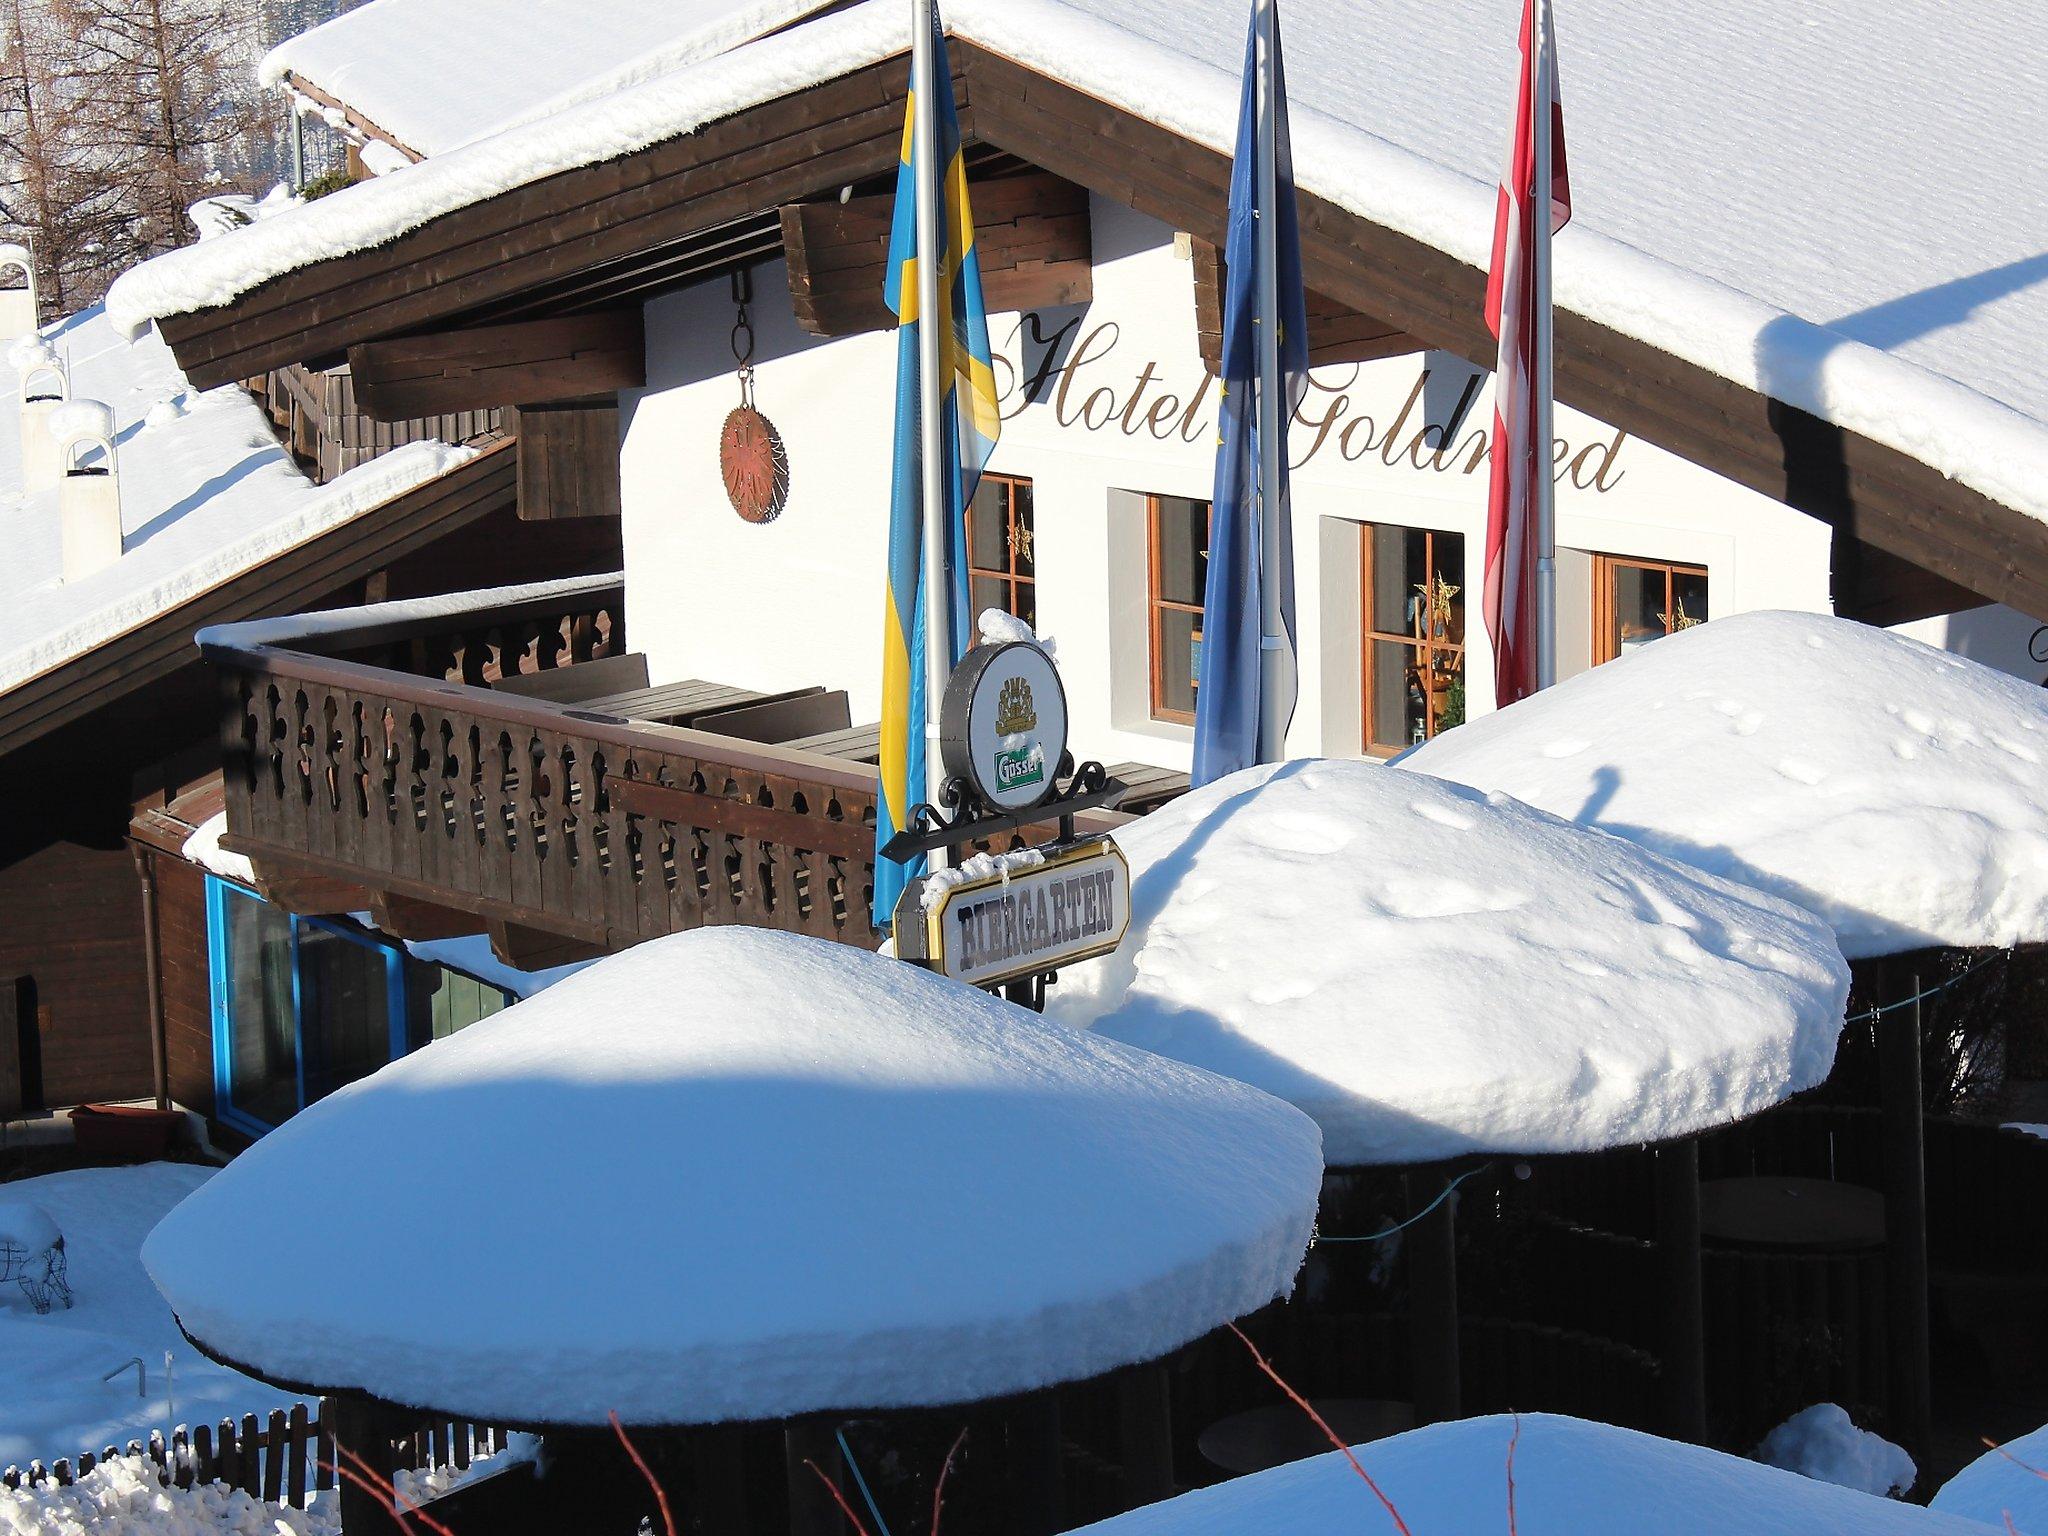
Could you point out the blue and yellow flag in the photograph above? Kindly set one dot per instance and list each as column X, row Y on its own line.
column 970, row 426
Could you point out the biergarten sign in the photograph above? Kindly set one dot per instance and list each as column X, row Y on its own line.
column 1031, row 920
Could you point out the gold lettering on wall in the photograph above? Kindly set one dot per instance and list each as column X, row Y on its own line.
column 1073, row 367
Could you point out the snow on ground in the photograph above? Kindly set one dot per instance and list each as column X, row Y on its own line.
column 1822, row 1442
column 746, row 1175
column 1572, row 1478
column 2005, row 1488
column 1728, row 209
column 1894, row 789
column 52, row 1401
column 207, row 492
column 434, row 76
column 1430, row 971
column 123, row 1498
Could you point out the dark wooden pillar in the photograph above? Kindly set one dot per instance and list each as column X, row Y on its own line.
column 364, row 1427
column 1905, row 1214
column 1433, row 1300
column 1037, row 1485
column 1684, row 1298
column 1144, row 1406
column 812, row 1509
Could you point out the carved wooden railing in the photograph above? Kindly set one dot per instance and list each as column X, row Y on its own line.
column 367, row 748
column 317, row 417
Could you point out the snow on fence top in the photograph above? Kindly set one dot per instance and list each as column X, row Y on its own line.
column 207, row 492
column 1895, row 789
column 2003, row 1485
column 737, row 1174
column 435, row 76
column 1750, row 196
column 1430, row 971
column 1572, row 1478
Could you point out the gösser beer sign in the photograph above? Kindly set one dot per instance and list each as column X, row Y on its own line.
column 1003, row 724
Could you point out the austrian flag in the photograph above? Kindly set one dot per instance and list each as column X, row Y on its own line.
column 1518, row 312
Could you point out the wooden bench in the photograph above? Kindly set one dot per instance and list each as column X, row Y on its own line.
column 580, row 682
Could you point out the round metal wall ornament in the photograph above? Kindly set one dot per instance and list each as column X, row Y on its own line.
column 1003, row 724
column 754, row 464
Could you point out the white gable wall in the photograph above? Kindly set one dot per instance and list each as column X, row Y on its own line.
column 1122, row 410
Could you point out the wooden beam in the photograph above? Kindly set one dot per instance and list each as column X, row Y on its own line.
column 1337, row 333
column 1878, row 587
column 311, row 895
column 569, row 460
column 1031, row 238
column 407, row 917
column 524, row 363
column 535, row 949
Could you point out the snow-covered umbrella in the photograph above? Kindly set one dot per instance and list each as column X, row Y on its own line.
column 1569, row 1478
column 1430, row 972
column 2006, row 1487
column 1894, row 789
column 734, row 1175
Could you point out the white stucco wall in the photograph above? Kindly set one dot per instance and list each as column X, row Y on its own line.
column 1124, row 406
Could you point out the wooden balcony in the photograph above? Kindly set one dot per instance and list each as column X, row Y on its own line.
column 369, row 754
column 319, row 420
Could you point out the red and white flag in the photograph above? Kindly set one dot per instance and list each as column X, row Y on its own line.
column 1517, row 498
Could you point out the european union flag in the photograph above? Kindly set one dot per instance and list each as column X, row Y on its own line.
column 971, row 425
column 1247, row 689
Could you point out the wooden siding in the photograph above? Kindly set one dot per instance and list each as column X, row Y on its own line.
column 1031, row 238
column 569, row 460
column 187, row 989
column 329, row 431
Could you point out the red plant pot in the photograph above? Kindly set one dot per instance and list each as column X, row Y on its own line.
column 121, row 1130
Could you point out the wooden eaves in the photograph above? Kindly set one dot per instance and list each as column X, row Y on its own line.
column 1910, row 541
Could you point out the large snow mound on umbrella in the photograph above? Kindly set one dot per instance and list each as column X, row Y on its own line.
column 734, row 1174
column 1429, row 971
column 1893, row 788
column 2002, row 1485
column 1572, row 1478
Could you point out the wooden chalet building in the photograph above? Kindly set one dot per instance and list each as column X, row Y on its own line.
column 573, row 767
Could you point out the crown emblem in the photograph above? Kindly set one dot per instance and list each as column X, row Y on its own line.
column 1015, row 712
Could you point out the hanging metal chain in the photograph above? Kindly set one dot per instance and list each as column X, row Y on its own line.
column 743, row 333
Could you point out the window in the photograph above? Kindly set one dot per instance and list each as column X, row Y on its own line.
column 1002, row 561
column 303, row 1006
column 1412, row 598
column 1637, row 601
column 1177, row 543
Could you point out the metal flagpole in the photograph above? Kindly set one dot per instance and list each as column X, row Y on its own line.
column 1268, row 408
column 932, row 313
column 1543, row 484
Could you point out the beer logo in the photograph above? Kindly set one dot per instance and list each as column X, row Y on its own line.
column 1020, row 767
column 1015, row 712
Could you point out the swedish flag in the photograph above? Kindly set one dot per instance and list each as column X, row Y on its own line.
column 970, row 424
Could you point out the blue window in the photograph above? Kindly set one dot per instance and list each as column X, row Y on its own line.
column 304, row 1005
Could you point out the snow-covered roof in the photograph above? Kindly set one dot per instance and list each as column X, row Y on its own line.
column 1894, row 789
column 1430, row 971
column 743, row 1175
column 207, row 492
column 435, row 75
column 1571, row 1478
column 2006, row 1488
column 1821, row 209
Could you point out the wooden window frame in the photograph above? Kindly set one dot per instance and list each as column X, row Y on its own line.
column 1606, row 647
column 1417, row 645
column 1011, row 578
column 1155, row 606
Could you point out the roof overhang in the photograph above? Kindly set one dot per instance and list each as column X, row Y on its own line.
column 1951, row 545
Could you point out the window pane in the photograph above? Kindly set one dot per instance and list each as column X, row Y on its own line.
column 987, row 592
column 1689, row 599
column 1178, row 659
column 459, row 1001
column 1181, row 527
column 263, row 1059
column 1638, row 607
column 1027, row 603
column 344, row 1010
column 1024, row 532
column 988, row 525
column 1447, row 588
column 1397, row 714
column 1397, row 557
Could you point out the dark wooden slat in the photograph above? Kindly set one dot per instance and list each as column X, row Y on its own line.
column 569, row 460
column 527, row 362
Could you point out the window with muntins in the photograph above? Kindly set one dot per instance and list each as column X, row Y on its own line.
column 1637, row 601
column 1412, row 591
column 1177, row 548
column 1002, row 557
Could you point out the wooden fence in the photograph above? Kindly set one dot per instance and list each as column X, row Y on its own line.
column 329, row 433
column 282, row 1460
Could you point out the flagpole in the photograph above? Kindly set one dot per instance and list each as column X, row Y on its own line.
column 1543, row 481
column 1273, row 705
column 932, row 313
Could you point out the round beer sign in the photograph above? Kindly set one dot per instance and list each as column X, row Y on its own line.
column 1003, row 724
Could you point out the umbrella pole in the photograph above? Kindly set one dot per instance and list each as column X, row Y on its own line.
column 1433, row 1305
column 1678, row 1248
column 1037, row 1493
column 812, row 1509
column 1905, row 1216
column 1144, row 1404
